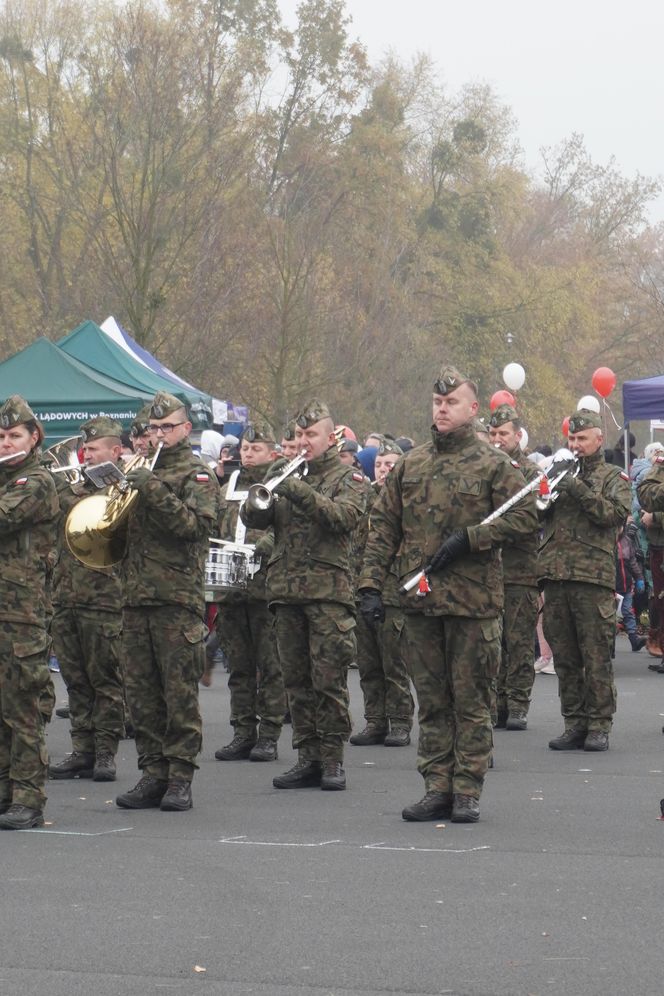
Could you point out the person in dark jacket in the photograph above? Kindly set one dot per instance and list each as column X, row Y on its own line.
column 629, row 578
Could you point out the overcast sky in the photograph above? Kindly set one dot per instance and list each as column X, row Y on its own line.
column 566, row 66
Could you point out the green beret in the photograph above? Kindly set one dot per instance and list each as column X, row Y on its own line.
column 289, row 432
column 448, row 380
column 503, row 414
column 311, row 413
column 16, row 411
column 100, row 428
column 584, row 419
column 258, row 432
column 164, row 404
column 388, row 446
column 139, row 425
column 479, row 425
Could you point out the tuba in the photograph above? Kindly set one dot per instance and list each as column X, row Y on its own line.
column 62, row 458
column 260, row 497
column 96, row 527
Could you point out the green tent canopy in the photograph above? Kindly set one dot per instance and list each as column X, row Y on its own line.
column 90, row 345
column 64, row 392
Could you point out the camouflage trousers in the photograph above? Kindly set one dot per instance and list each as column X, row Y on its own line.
column 24, row 682
column 453, row 662
column 88, row 646
column 383, row 676
column 316, row 643
column 258, row 699
column 516, row 673
column 164, row 659
column 579, row 624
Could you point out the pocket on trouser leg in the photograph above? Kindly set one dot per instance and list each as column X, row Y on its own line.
column 194, row 636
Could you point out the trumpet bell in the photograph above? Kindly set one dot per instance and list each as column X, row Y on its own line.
column 92, row 535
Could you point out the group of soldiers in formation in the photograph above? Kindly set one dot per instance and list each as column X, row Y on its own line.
column 333, row 553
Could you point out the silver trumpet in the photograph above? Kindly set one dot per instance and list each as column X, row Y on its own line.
column 260, row 497
column 563, row 456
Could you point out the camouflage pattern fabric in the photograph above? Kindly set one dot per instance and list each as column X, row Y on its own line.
column 650, row 493
column 258, row 701
column 313, row 546
column 168, row 532
column 87, row 643
column 580, row 529
column 520, row 553
column 453, row 662
column 579, row 625
column 165, row 655
column 517, row 673
column 316, row 643
column 383, row 675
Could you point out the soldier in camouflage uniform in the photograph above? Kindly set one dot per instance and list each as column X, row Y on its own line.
column 163, row 576
column 245, row 624
column 577, row 575
column 289, row 442
column 87, row 629
column 140, row 435
column 516, row 673
column 28, row 522
column 310, row 590
column 442, row 491
column 388, row 703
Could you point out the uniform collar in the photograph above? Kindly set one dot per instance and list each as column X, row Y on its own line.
column 591, row 462
column 451, row 442
column 325, row 461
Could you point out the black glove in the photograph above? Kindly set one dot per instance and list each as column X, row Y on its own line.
column 371, row 606
column 455, row 546
column 139, row 477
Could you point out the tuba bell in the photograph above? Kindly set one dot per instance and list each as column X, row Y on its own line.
column 62, row 458
column 260, row 497
column 96, row 527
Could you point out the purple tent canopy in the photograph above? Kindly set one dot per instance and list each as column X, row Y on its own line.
column 643, row 399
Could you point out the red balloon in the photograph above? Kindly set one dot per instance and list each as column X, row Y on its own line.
column 501, row 398
column 566, row 426
column 604, row 381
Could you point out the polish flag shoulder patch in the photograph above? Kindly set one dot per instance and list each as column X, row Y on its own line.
column 358, row 477
column 202, row 478
column 20, row 481
column 624, row 476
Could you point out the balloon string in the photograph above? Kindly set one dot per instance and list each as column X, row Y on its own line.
column 608, row 407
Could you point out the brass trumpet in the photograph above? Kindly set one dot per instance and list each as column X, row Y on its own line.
column 260, row 497
column 62, row 458
column 96, row 527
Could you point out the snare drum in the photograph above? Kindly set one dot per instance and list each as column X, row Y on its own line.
column 228, row 567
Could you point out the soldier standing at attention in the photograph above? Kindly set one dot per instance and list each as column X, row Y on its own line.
column 310, row 590
column 28, row 539
column 87, row 630
column 388, row 703
column 245, row 624
column 442, row 491
column 164, row 604
column 516, row 673
column 577, row 575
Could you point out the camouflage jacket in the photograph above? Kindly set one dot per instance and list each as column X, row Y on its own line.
column 28, row 541
column 313, row 550
column 73, row 582
column 169, row 526
column 650, row 492
column 579, row 538
column 453, row 482
column 391, row 588
column 520, row 554
column 262, row 539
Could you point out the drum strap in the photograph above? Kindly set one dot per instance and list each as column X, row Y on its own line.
column 233, row 495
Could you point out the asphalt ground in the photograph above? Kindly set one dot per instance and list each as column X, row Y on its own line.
column 307, row 893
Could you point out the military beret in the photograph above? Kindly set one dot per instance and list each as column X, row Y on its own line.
column 448, row 380
column 139, row 425
column 584, row 419
column 289, row 432
column 258, row 432
column 100, row 428
column 311, row 413
column 479, row 425
column 503, row 414
column 389, row 446
column 349, row 446
column 16, row 411
column 164, row 404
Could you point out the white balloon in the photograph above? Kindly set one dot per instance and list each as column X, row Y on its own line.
column 523, row 442
column 590, row 403
column 514, row 376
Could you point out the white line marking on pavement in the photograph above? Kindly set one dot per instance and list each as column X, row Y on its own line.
column 425, row 850
column 379, row 846
column 77, row 833
column 274, row 843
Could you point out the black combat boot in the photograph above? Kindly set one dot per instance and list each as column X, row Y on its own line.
column 569, row 740
column 177, row 797
column 334, row 777
column 74, row 765
column 305, row 774
column 104, row 769
column 265, row 749
column 466, row 809
column 237, row 750
column 501, row 716
column 433, row 806
column 596, row 740
column 370, row 735
column 517, row 719
column 399, row 736
column 146, row 794
column 20, row 817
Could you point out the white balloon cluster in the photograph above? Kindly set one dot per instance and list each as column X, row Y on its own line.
column 514, row 376
column 590, row 403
